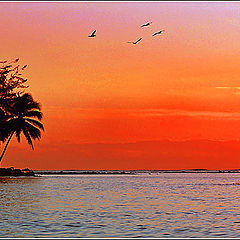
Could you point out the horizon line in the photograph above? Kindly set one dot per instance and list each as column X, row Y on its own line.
column 186, row 169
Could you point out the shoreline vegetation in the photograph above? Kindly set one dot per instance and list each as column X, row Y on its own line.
column 16, row 172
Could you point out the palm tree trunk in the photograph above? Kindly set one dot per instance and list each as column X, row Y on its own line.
column 5, row 148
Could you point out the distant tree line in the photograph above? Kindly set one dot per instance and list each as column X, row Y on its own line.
column 20, row 114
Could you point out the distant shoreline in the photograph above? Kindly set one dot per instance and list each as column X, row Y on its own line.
column 127, row 172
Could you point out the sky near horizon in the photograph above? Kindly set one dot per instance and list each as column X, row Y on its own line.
column 169, row 102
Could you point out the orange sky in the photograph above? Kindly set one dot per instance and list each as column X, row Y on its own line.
column 99, row 95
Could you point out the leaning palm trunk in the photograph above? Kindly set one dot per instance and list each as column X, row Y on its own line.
column 5, row 148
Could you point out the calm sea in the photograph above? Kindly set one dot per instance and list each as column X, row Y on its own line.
column 97, row 206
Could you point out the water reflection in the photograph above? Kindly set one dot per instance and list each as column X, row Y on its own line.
column 165, row 205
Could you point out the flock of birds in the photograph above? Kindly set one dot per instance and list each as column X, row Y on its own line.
column 93, row 34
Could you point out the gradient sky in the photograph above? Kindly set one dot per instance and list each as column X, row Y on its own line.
column 169, row 102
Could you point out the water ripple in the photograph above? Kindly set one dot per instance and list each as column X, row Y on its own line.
column 164, row 205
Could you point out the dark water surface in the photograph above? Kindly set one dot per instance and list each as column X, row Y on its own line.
column 97, row 206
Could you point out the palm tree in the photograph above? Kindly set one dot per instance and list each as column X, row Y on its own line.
column 21, row 118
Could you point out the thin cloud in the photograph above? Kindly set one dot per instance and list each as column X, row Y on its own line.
column 100, row 113
column 235, row 90
column 164, row 112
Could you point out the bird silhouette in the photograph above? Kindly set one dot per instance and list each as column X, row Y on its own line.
column 146, row 24
column 93, row 34
column 136, row 41
column 156, row 33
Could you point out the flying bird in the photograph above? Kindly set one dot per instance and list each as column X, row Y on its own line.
column 156, row 33
column 146, row 24
column 93, row 34
column 3, row 61
column 136, row 41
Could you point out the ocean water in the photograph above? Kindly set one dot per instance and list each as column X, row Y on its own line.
column 184, row 205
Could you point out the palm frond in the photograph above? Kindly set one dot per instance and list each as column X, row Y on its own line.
column 25, row 103
column 19, row 117
column 33, row 105
column 4, row 133
column 17, row 133
column 34, row 132
column 6, row 128
column 34, row 113
column 34, row 122
column 26, row 134
column 3, row 119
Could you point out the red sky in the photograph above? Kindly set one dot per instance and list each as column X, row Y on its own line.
column 169, row 102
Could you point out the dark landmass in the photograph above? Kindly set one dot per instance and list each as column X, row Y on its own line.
column 131, row 172
column 16, row 172
column 26, row 172
column 83, row 172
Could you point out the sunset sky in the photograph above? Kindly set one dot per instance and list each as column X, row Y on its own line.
column 169, row 102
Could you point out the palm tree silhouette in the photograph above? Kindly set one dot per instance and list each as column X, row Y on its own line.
column 21, row 118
